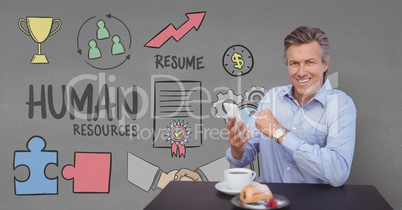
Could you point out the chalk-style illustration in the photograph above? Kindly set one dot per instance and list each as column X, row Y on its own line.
column 39, row 28
column 247, row 104
column 105, row 52
column 177, row 135
column 177, row 108
column 36, row 158
column 255, row 94
column 93, row 51
column 117, row 47
column 238, row 60
column 90, row 172
column 248, row 107
column 103, row 32
column 152, row 177
column 194, row 21
column 228, row 97
column 149, row 177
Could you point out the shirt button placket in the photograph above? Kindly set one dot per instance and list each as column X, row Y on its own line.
column 287, row 171
column 297, row 119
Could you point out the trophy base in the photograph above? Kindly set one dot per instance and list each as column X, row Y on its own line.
column 39, row 59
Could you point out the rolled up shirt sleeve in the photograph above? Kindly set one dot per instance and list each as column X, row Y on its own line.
column 331, row 163
column 250, row 154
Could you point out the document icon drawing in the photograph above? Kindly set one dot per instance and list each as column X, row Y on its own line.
column 177, row 113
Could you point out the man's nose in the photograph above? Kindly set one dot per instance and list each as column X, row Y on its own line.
column 302, row 70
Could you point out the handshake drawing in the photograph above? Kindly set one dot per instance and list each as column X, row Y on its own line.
column 148, row 176
column 183, row 174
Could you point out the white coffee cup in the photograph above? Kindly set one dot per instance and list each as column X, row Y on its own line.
column 237, row 178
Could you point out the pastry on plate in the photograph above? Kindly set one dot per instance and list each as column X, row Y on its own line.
column 254, row 193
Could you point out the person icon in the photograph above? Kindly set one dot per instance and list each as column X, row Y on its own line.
column 93, row 52
column 117, row 47
column 102, row 32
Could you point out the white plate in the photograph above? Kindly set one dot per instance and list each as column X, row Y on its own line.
column 222, row 186
column 280, row 199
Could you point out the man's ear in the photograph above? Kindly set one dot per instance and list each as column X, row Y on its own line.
column 326, row 63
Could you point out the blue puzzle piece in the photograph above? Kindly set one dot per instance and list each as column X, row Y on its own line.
column 36, row 159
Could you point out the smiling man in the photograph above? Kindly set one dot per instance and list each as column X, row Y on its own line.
column 305, row 132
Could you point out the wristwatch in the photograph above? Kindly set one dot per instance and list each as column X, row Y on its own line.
column 279, row 134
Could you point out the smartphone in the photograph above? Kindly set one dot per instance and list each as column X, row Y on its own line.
column 232, row 110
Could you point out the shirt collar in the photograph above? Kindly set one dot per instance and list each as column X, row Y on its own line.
column 320, row 96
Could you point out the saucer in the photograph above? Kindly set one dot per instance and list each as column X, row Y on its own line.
column 222, row 187
column 280, row 199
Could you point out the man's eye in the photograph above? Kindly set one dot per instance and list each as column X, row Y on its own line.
column 310, row 62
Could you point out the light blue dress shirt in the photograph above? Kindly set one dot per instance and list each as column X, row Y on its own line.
column 319, row 146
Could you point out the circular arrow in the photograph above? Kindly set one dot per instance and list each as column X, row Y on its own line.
column 79, row 51
column 109, row 68
column 129, row 33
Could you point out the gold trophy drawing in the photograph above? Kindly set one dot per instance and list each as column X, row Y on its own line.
column 39, row 29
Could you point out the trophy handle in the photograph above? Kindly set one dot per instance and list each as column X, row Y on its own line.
column 58, row 26
column 22, row 29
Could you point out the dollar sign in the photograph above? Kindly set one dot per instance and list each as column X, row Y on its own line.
column 236, row 58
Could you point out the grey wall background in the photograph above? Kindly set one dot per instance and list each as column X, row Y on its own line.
column 365, row 51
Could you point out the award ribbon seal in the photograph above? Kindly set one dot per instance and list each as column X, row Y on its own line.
column 178, row 134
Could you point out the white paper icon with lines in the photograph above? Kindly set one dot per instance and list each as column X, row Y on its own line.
column 177, row 113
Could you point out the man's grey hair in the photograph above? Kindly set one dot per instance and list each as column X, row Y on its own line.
column 304, row 35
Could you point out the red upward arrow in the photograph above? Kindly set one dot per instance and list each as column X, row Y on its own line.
column 194, row 21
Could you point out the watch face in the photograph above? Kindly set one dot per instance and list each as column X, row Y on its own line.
column 279, row 133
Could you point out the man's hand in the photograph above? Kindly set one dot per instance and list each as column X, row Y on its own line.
column 166, row 178
column 267, row 123
column 238, row 136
